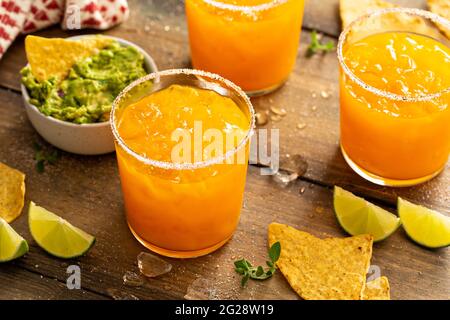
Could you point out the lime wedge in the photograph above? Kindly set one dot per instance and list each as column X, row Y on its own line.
column 57, row 236
column 12, row 245
column 427, row 227
column 358, row 216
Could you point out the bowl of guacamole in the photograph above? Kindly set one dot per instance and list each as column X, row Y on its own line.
column 69, row 105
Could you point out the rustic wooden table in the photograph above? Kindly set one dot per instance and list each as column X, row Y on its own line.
column 86, row 190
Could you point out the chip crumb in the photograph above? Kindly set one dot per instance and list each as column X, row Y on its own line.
column 278, row 111
column 261, row 118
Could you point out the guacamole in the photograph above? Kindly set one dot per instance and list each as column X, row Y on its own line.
column 86, row 95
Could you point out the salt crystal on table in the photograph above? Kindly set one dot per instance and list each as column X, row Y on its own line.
column 132, row 279
column 119, row 295
column 152, row 266
column 285, row 178
column 200, row 289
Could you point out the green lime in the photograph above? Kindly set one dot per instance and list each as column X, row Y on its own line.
column 358, row 216
column 12, row 245
column 427, row 227
column 57, row 236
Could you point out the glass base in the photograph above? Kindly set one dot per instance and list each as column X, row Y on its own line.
column 178, row 254
column 386, row 181
column 262, row 92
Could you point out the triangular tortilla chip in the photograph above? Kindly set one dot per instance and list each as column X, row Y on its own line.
column 53, row 57
column 12, row 192
column 350, row 10
column 442, row 8
column 377, row 289
column 323, row 269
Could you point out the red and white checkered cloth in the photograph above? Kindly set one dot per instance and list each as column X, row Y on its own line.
column 31, row 15
column 43, row 13
column 95, row 14
column 12, row 18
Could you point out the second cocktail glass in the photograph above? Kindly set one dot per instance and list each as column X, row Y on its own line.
column 253, row 43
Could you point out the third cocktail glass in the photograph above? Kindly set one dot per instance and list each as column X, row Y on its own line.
column 395, row 96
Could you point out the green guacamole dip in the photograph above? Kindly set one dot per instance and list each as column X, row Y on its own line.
column 86, row 95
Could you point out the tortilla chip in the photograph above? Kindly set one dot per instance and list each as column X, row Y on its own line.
column 54, row 57
column 442, row 8
column 12, row 192
column 377, row 289
column 323, row 269
column 350, row 10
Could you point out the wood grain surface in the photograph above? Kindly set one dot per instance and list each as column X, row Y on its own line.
column 86, row 190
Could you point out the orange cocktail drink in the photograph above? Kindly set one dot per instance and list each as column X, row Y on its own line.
column 253, row 43
column 182, row 143
column 395, row 98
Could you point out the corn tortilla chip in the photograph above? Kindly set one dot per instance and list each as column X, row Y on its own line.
column 12, row 192
column 442, row 8
column 54, row 57
column 323, row 269
column 377, row 289
column 350, row 10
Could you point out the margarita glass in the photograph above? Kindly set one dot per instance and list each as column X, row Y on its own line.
column 395, row 96
column 181, row 208
column 253, row 43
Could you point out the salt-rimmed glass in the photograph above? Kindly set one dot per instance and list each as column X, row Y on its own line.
column 182, row 209
column 255, row 46
column 383, row 147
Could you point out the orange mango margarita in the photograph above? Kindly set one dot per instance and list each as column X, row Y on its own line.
column 175, row 205
column 396, row 141
column 253, row 43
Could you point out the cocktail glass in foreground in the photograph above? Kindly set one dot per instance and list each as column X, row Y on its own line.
column 182, row 143
column 395, row 96
column 253, row 43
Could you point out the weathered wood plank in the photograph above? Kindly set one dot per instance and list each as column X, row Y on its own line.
column 86, row 191
column 20, row 284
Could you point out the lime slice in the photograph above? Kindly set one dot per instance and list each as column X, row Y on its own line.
column 12, row 245
column 427, row 227
column 57, row 236
column 358, row 216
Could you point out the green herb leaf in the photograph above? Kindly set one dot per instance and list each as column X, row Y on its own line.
column 44, row 157
column 259, row 271
column 37, row 146
column 245, row 268
column 317, row 47
column 240, row 264
column 245, row 280
column 274, row 252
column 53, row 157
column 40, row 166
column 240, row 270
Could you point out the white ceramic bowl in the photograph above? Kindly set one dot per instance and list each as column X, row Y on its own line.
column 85, row 139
